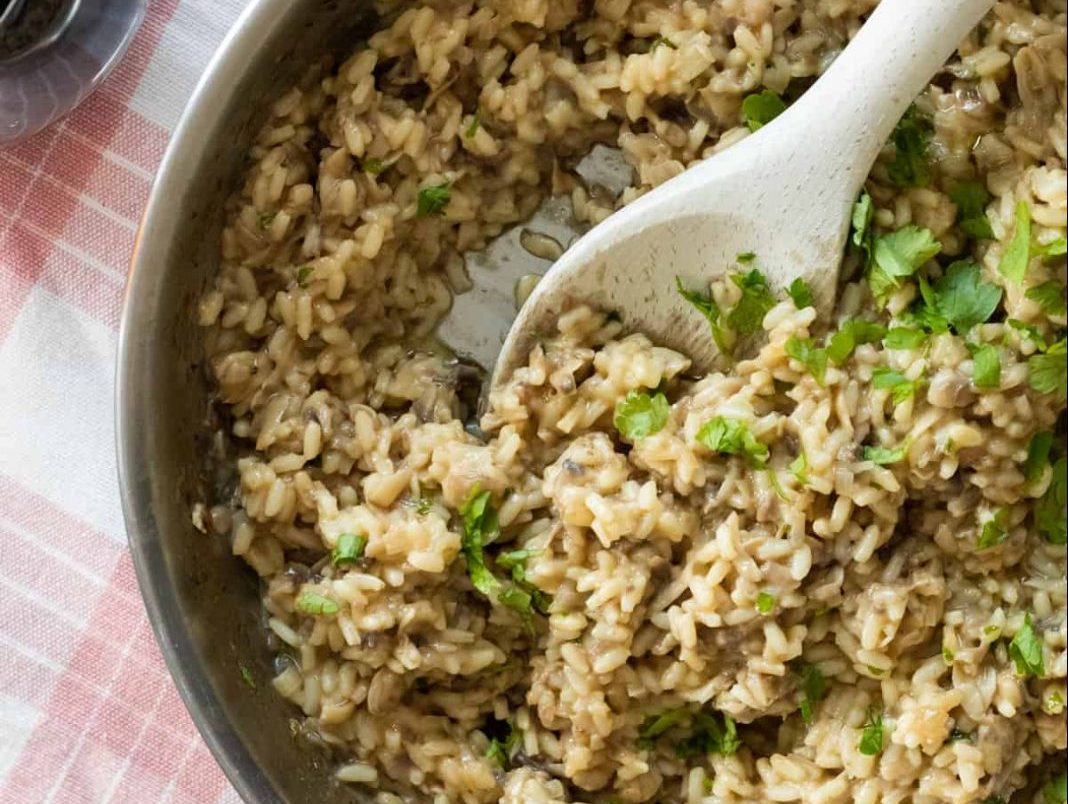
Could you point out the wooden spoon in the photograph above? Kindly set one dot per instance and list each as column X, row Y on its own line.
column 785, row 193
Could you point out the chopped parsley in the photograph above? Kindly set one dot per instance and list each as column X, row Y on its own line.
column 863, row 212
column 433, row 200
column 1050, row 297
column 854, row 332
column 909, row 166
column 639, row 415
column 957, row 736
column 801, row 293
column 871, row 739
column 994, row 531
column 501, row 751
column 474, row 125
column 712, row 733
column 799, row 468
column 904, row 338
column 757, row 298
column 1051, row 511
column 662, row 41
column 655, row 725
column 813, row 688
column 898, row 255
column 1054, row 248
column 761, row 108
column 314, row 603
column 971, row 198
column 961, row 298
column 1056, row 789
column 1037, row 456
column 885, row 456
column 247, row 677
column 747, row 257
column 266, row 219
column 986, row 365
column 707, row 306
column 805, row 351
column 765, row 602
column 1048, row 373
column 479, row 526
column 372, row 165
column 1013, row 264
column 424, row 506
column 899, row 386
column 732, row 437
column 1054, row 704
column 1025, row 650
column 349, row 549
column 303, row 275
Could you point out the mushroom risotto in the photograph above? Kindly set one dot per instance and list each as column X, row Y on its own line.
column 831, row 570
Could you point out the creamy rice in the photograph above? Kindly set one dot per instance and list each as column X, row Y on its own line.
column 830, row 571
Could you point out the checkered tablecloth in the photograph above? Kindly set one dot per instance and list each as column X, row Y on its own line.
column 88, row 712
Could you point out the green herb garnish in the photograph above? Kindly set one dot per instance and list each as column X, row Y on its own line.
column 898, row 255
column 732, row 437
column 765, row 603
column 707, row 306
column 801, row 293
column 904, row 338
column 757, row 298
column 885, row 456
column 1025, row 650
column 971, row 198
column 961, row 298
column 433, row 200
column 746, row 257
column 303, row 275
column 899, row 386
column 655, row 725
column 1037, row 456
column 986, row 365
column 247, row 677
column 639, row 415
column 1056, row 789
column 474, row 125
column 712, row 733
column 1050, row 297
column 349, row 549
column 805, row 351
column 854, row 332
column 1051, row 511
column 1048, row 373
column 994, row 530
column 871, row 739
column 314, row 603
column 813, row 687
column 1013, row 264
column 761, row 108
column 662, row 41
column 909, row 166
column 799, row 468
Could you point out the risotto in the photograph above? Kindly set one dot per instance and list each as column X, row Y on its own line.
column 831, row 570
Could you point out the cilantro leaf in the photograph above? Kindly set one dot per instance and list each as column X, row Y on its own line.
column 372, row 165
column 501, row 752
column 854, row 332
column 971, row 198
column 962, row 298
column 713, row 733
column 1048, row 373
column 433, row 200
column 746, row 257
column 799, row 468
column 349, row 549
column 863, row 212
column 801, row 293
column 909, row 166
column 479, row 526
column 898, row 255
column 1037, row 456
column 655, row 725
column 303, row 275
column 757, row 298
column 885, row 456
column 1050, row 297
column 661, row 41
column 247, row 677
column 732, row 437
column 994, row 530
column 1025, row 650
column 761, row 108
column 1051, row 511
column 1054, row 248
column 474, row 125
column 904, row 338
column 805, row 351
column 813, row 687
column 765, row 602
column 314, row 603
column 899, row 386
column 871, row 739
column 1056, row 789
column 986, row 365
column 707, row 306
column 639, row 415
column 1013, row 264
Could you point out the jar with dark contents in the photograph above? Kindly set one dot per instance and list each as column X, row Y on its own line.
column 54, row 53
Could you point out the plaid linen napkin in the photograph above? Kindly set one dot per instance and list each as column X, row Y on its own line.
column 88, row 712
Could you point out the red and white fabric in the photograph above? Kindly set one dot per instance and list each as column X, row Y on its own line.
column 88, row 712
